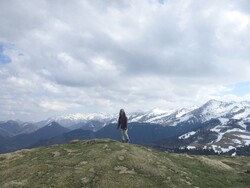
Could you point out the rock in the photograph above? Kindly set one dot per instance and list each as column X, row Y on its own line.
column 124, row 170
column 92, row 170
column 85, row 180
column 121, row 158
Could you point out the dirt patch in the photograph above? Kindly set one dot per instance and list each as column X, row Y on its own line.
column 85, row 180
column 162, row 166
column 69, row 151
column 91, row 142
column 121, row 158
column 186, row 182
column 2, row 158
column 56, row 153
column 124, row 170
column 83, row 163
column 105, row 146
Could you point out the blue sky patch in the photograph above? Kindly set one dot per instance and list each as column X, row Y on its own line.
column 4, row 59
column 239, row 89
column 161, row 1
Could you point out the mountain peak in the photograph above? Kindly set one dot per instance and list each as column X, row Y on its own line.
column 213, row 102
column 53, row 124
column 214, row 105
column 158, row 111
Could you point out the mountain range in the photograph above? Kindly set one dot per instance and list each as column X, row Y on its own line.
column 12, row 128
column 218, row 126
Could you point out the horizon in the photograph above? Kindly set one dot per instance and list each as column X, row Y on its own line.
column 154, row 110
column 96, row 56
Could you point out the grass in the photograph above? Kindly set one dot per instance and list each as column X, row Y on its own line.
column 106, row 163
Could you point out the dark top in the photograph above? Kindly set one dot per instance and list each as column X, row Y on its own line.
column 123, row 123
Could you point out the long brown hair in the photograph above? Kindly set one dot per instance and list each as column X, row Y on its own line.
column 122, row 113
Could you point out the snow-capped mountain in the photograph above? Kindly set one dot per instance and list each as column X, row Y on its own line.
column 230, row 128
column 226, row 110
column 78, row 120
column 163, row 117
column 218, row 125
column 213, row 109
column 155, row 116
column 172, row 117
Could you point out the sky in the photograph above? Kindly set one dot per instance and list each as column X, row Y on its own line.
column 64, row 57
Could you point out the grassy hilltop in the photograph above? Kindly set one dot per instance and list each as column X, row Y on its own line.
column 106, row 163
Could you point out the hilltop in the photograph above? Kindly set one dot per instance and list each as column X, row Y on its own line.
column 107, row 163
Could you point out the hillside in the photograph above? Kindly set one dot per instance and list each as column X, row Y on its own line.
column 107, row 163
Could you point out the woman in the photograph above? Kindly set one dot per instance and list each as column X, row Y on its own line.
column 123, row 125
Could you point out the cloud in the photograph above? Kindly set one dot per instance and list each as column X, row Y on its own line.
column 95, row 56
column 55, row 105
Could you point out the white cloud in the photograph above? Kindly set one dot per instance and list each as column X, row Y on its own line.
column 240, row 20
column 50, row 87
column 87, row 56
column 56, row 105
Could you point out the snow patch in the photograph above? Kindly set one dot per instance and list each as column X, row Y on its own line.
column 158, row 111
column 243, row 125
column 218, row 128
column 25, row 124
column 246, row 139
column 236, row 130
column 183, row 111
column 223, row 120
column 242, row 115
column 224, row 150
column 191, row 147
column 219, row 137
column 236, row 141
column 187, row 135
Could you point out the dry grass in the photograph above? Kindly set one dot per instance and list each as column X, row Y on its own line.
column 215, row 163
column 106, row 163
